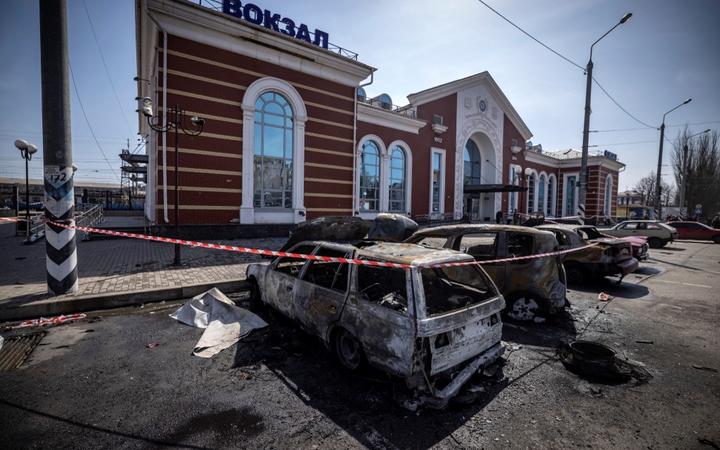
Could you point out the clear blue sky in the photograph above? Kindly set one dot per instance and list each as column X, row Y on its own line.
column 666, row 53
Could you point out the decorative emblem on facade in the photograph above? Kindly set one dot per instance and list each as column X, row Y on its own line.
column 482, row 104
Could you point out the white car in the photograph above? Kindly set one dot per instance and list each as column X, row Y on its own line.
column 433, row 327
column 658, row 234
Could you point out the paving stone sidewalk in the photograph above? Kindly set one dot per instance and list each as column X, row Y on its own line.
column 119, row 265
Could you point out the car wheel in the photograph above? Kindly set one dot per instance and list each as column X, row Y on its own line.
column 716, row 239
column 575, row 274
column 654, row 242
column 523, row 308
column 348, row 350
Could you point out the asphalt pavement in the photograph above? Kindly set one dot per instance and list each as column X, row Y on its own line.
column 127, row 379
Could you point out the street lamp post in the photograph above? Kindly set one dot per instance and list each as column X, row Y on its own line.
column 658, row 181
column 176, row 122
column 586, row 123
column 683, row 177
column 27, row 150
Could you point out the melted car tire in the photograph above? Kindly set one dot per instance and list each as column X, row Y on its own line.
column 348, row 350
column 254, row 291
column 575, row 274
column 540, row 307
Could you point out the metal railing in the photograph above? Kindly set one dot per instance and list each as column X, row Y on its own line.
column 406, row 110
column 217, row 5
column 88, row 215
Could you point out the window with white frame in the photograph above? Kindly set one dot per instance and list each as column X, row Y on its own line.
column 398, row 184
column 569, row 197
column 551, row 188
column 273, row 152
column 370, row 177
column 541, row 193
column 438, row 180
column 607, row 207
column 531, row 193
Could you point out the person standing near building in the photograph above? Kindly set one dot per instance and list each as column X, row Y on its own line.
column 499, row 217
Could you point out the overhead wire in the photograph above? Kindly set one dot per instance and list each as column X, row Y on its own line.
column 87, row 121
column 107, row 71
column 569, row 61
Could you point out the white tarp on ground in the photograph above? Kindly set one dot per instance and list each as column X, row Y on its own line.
column 224, row 323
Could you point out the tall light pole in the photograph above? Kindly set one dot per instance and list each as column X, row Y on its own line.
column 683, row 177
column 175, row 122
column 586, row 123
column 658, row 181
column 27, row 150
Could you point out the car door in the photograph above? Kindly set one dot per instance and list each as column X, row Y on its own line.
column 485, row 246
column 379, row 313
column 321, row 291
column 279, row 283
column 627, row 229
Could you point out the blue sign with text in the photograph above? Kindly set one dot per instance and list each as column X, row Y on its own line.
column 254, row 14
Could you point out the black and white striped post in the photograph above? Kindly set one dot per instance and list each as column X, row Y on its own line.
column 581, row 213
column 61, row 253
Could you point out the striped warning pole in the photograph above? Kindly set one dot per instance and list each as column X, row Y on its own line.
column 61, row 254
column 581, row 214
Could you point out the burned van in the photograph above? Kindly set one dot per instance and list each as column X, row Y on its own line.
column 532, row 287
column 434, row 326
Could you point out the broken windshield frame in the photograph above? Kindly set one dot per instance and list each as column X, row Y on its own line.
column 451, row 288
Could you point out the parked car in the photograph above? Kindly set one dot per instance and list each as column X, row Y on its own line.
column 611, row 256
column 640, row 247
column 657, row 233
column 531, row 287
column 696, row 230
column 434, row 327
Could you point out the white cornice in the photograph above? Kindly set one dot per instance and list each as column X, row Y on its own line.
column 453, row 87
column 572, row 162
column 200, row 24
column 389, row 119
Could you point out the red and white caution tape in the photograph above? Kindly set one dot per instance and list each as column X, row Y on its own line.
column 257, row 251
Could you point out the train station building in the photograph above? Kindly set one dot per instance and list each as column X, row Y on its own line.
column 291, row 135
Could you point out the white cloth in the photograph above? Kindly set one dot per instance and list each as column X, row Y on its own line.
column 224, row 323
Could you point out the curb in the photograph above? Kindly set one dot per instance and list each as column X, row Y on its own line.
column 73, row 304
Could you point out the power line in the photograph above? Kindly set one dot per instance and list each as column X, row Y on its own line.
column 532, row 37
column 92, row 132
column 621, row 108
column 107, row 72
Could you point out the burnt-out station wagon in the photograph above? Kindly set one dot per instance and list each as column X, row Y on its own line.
column 434, row 327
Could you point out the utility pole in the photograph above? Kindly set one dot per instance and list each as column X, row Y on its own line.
column 586, row 123
column 658, row 181
column 61, row 261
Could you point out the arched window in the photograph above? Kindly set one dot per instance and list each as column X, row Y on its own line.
column 531, row 193
column 551, row 196
column 370, row 177
column 471, row 167
column 541, row 194
column 273, row 149
column 397, row 184
column 607, row 210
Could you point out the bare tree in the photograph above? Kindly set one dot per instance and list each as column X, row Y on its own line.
column 646, row 187
column 702, row 174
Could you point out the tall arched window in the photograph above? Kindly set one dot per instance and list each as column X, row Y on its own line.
column 607, row 210
column 397, row 184
column 551, row 196
column 471, row 167
column 541, row 194
column 531, row 193
column 273, row 168
column 370, row 177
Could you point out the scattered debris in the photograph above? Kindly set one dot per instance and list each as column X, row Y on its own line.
column 644, row 341
column 603, row 297
column 698, row 367
column 224, row 323
column 52, row 321
column 596, row 361
column 153, row 345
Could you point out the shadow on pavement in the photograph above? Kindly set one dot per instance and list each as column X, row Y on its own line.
column 365, row 404
column 625, row 290
column 557, row 329
column 89, row 427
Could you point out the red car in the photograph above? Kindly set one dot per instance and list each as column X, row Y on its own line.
column 640, row 246
column 696, row 230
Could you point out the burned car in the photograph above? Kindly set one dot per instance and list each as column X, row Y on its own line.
column 435, row 327
column 611, row 256
column 531, row 287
